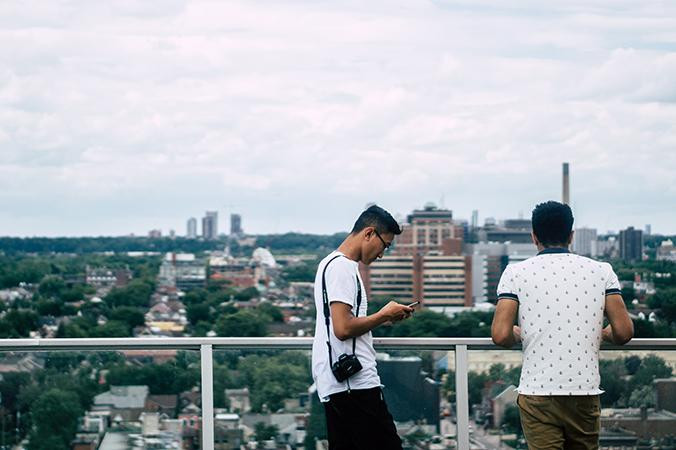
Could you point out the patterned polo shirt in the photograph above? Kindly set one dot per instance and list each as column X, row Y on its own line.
column 561, row 304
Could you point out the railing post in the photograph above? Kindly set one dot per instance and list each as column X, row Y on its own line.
column 461, row 397
column 207, row 369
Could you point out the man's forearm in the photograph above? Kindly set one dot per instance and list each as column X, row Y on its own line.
column 356, row 326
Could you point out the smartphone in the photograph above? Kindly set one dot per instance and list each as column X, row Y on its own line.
column 411, row 305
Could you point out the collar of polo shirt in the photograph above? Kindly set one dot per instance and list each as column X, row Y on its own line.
column 550, row 250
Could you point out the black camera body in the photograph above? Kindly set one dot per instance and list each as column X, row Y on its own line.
column 345, row 367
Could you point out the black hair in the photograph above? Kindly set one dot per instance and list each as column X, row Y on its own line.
column 376, row 217
column 552, row 223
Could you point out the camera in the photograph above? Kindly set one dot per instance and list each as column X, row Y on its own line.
column 345, row 367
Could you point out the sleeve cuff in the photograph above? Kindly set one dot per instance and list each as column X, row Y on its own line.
column 508, row 296
column 613, row 291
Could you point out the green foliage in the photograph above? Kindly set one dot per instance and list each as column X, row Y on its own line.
column 298, row 242
column 316, row 424
column 55, row 415
column 265, row 432
column 52, row 286
column 136, row 293
column 18, row 323
column 247, row 294
column 300, row 272
column 273, row 379
column 426, row 323
column 651, row 367
column 132, row 317
column 665, row 301
column 112, row 328
column 242, row 323
column 643, row 397
column 160, row 378
column 512, row 420
column 273, row 312
column 198, row 312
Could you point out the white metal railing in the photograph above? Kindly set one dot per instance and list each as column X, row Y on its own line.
column 206, row 346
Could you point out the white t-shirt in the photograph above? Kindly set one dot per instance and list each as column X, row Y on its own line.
column 561, row 304
column 341, row 286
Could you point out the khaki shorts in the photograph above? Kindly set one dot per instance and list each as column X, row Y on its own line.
column 560, row 422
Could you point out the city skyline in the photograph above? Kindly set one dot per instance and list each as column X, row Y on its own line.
column 127, row 117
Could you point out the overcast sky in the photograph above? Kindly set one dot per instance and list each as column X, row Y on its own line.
column 119, row 117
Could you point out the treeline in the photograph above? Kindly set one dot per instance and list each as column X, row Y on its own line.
column 288, row 242
column 300, row 242
column 13, row 245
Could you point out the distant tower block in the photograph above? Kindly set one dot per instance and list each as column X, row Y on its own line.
column 566, row 184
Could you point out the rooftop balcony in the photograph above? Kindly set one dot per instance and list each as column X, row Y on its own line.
column 461, row 348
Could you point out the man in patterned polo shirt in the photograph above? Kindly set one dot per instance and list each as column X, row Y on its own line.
column 559, row 300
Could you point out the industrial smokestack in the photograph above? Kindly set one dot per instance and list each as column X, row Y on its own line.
column 566, row 185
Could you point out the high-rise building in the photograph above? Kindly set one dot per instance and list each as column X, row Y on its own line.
column 648, row 230
column 210, row 225
column 434, row 280
column 155, row 233
column 427, row 230
column 475, row 219
column 566, row 184
column 489, row 260
column 631, row 244
column 585, row 242
column 235, row 224
column 191, row 232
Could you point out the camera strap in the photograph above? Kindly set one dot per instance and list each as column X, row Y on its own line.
column 327, row 309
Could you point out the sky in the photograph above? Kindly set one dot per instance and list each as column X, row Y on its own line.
column 121, row 117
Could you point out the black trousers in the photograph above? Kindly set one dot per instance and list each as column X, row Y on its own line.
column 359, row 420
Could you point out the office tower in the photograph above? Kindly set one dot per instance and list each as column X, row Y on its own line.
column 475, row 219
column 436, row 280
column 192, row 228
column 566, row 184
column 648, row 230
column 584, row 242
column 631, row 244
column 235, row 224
column 489, row 260
column 210, row 225
column 156, row 233
column 427, row 230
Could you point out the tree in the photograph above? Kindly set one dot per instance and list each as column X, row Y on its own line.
column 55, row 415
column 52, row 286
column 316, row 424
column 242, row 323
column 643, row 397
column 665, row 301
column 112, row 328
column 247, row 294
column 265, row 432
column 198, row 312
column 512, row 420
column 651, row 367
column 273, row 312
column 136, row 293
column 129, row 315
column 613, row 373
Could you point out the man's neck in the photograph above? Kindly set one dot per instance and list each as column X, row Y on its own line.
column 351, row 248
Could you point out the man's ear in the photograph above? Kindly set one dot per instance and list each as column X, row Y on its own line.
column 534, row 238
column 570, row 238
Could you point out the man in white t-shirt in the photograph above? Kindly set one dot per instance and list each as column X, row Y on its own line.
column 559, row 300
column 356, row 414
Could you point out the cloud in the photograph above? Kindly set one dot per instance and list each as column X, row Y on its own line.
column 158, row 111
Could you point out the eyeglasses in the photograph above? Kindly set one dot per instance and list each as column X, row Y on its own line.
column 386, row 246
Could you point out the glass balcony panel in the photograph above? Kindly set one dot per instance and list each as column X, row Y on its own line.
column 110, row 400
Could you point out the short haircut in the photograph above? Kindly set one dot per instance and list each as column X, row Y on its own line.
column 376, row 217
column 552, row 223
